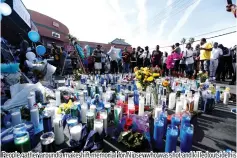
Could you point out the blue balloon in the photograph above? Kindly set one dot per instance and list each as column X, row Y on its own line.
column 34, row 36
column 40, row 50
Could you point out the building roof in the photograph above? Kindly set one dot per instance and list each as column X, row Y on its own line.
column 120, row 42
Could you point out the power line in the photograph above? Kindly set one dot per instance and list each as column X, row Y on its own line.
column 209, row 37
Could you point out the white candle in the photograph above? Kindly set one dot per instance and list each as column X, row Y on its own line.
column 185, row 103
column 226, row 97
column 141, row 106
column 172, row 98
column 179, row 106
column 58, row 98
column 93, row 109
column 98, row 126
column 34, row 115
column 158, row 110
column 33, row 94
column 104, row 116
column 148, row 98
column 196, row 101
column 84, row 109
column 75, row 132
column 30, row 100
column 58, row 130
column 16, row 118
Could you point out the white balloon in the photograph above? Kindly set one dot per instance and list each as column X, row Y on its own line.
column 5, row 9
column 30, row 56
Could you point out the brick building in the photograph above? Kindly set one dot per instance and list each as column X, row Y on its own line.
column 50, row 30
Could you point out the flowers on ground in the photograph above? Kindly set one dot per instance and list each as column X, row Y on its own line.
column 65, row 108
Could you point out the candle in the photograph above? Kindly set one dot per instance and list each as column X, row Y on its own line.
column 171, row 138
column 218, row 94
column 172, row 98
column 47, row 123
column 51, row 110
column 34, row 116
column 163, row 116
column 98, row 125
column 74, row 110
column 108, row 107
column 33, row 94
column 126, row 96
column 90, row 120
column 226, row 97
column 104, row 117
column 16, row 118
column 72, row 121
column 185, row 104
column 175, row 120
column 158, row 110
column 196, row 101
column 141, row 106
column 58, row 97
column 136, row 97
column 75, row 132
column 179, row 106
column 148, row 98
column 158, row 133
column 58, row 130
column 93, row 109
column 47, row 142
column 187, row 139
column 21, row 138
column 30, row 101
column 117, row 114
column 84, row 109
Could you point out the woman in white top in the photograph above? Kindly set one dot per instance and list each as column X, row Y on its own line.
column 188, row 60
column 146, row 57
column 215, row 55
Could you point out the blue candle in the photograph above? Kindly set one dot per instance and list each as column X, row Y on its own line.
column 163, row 115
column 218, row 96
column 175, row 120
column 158, row 133
column 118, row 88
column 186, row 118
column 186, row 143
column 136, row 97
column 171, row 138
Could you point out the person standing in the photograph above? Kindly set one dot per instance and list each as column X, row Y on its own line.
column 177, row 51
column 113, row 60
column 133, row 59
column 188, row 59
column 182, row 65
column 196, row 55
column 103, row 60
column 156, row 57
column 57, row 57
column 97, row 54
column 139, row 57
column 232, row 82
column 165, row 70
column 205, row 55
column 126, row 60
column 146, row 57
column 215, row 55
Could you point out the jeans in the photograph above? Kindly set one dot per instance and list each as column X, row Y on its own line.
column 205, row 64
column 126, row 67
column 189, row 69
column 113, row 67
column 213, row 67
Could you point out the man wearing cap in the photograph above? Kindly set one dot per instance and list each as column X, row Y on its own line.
column 205, row 55
column 97, row 54
column 126, row 60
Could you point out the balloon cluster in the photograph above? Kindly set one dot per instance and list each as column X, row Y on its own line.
column 35, row 37
column 5, row 9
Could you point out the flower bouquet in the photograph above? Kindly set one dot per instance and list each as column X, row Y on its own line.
column 145, row 76
column 202, row 76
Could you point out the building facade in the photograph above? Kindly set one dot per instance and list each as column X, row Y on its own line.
column 50, row 30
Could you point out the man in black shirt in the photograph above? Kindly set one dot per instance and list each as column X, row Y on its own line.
column 97, row 54
column 133, row 59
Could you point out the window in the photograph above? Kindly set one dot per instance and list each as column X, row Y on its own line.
column 56, row 35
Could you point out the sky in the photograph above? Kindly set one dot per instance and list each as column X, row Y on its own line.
column 140, row 22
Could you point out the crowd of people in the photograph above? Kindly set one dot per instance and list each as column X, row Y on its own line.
column 217, row 61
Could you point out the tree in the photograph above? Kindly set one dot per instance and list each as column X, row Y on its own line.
column 191, row 40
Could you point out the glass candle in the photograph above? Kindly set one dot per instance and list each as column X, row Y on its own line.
column 158, row 132
column 117, row 114
column 179, row 106
column 72, row 121
column 58, row 97
column 34, row 116
column 93, row 109
column 16, row 118
column 21, row 138
column 108, row 107
column 158, row 110
column 163, row 115
column 47, row 123
column 172, row 98
column 98, row 125
column 58, row 130
column 187, row 138
column 196, row 101
column 47, row 142
column 84, row 109
column 218, row 94
column 175, row 120
column 30, row 101
column 90, row 120
column 141, row 106
column 75, row 132
column 171, row 138
column 104, row 117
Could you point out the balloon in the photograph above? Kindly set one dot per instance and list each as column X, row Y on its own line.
column 34, row 36
column 5, row 9
column 40, row 50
